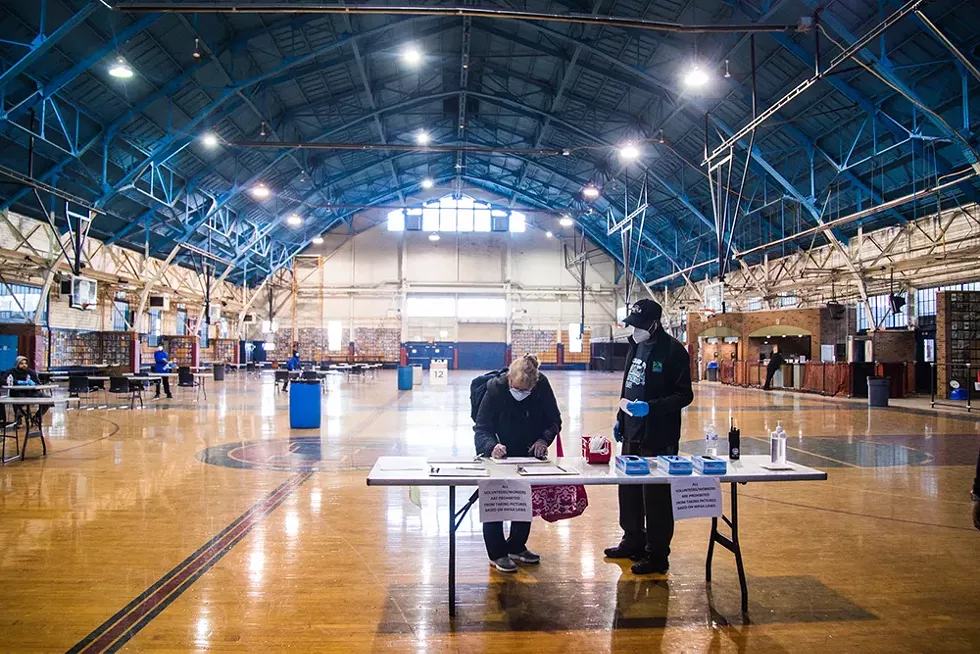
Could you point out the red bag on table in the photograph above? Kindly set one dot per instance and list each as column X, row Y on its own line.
column 553, row 503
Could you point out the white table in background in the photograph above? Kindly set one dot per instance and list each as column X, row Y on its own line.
column 199, row 379
column 38, row 387
column 747, row 469
column 33, row 419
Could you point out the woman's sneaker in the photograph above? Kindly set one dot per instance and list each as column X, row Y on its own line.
column 504, row 564
column 527, row 556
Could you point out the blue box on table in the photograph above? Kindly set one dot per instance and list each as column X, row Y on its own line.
column 709, row 465
column 675, row 465
column 632, row 465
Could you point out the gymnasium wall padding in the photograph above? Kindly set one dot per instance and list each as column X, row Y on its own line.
column 482, row 356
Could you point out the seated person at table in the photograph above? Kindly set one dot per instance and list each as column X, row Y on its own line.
column 518, row 417
column 291, row 365
column 22, row 375
column 161, row 366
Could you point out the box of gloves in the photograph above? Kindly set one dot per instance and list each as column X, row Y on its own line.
column 596, row 449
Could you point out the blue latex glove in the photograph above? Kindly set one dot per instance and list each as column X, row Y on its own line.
column 617, row 433
column 30, row 382
column 638, row 409
column 20, row 383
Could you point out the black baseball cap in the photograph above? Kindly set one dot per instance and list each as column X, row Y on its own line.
column 643, row 314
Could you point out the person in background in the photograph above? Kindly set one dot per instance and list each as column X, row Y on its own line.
column 775, row 362
column 975, row 496
column 517, row 417
column 161, row 365
column 22, row 375
column 291, row 365
column 657, row 384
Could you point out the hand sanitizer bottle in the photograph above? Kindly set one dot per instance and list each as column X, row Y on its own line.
column 777, row 448
column 711, row 441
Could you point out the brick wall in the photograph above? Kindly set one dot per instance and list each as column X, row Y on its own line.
column 894, row 346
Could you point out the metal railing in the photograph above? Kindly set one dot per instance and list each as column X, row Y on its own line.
column 966, row 381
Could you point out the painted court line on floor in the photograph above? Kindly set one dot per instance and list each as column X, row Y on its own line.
column 117, row 630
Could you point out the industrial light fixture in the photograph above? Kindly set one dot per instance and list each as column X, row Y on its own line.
column 120, row 69
column 412, row 56
column 629, row 152
column 262, row 131
column 427, row 183
column 727, row 73
column 590, row 192
column 261, row 192
column 294, row 220
column 317, row 240
column 210, row 140
column 422, row 137
column 566, row 221
column 434, row 237
column 549, row 234
column 197, row 49
column 696, row 77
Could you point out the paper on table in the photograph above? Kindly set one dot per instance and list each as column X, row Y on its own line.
column 453, row 459
column 520, row 461
column 775, row 467
column 396, row 463
column 471, row 471
column 545, row 471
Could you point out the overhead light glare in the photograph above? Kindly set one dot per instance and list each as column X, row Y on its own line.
column 294, row 220
column 629, row 152
column 317, row 240
column 549, row 234
column 261, row 192
column 696, row 77
column 197, row 49
column 434, row 237
column 210, row 140
column 412, row 56
column 422, row 137
column 590, row 192
column 427, row 183
column 120, row 69
column 566, row 221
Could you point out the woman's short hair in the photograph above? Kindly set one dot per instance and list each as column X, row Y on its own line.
column 523, row 372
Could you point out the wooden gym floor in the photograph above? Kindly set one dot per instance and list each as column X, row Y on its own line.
column 158, row 530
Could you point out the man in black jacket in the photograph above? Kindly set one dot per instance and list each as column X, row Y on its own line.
column 517, row 417
column 776, row 361
column 659, row 374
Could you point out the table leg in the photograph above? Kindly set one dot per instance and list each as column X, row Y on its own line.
column 730, row 544
column 452, row 551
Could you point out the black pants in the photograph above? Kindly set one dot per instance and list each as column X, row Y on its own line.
column 166, row 386
column 646, row 512
column 976, row 480
column 497, row 546
column 770, row 373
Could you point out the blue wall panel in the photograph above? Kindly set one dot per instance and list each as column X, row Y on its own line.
column 482, row 356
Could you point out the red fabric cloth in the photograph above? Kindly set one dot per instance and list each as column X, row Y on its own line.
column 553, row 503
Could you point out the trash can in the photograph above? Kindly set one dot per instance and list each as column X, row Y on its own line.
column 712, row 374
column 184, row 376
column 219, row 371
column 405, row 378
column 417, row 374
column 878, row 391
column 304, row 404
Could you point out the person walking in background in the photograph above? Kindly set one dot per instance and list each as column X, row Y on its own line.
column 776, row 361
column 975, row 496
column 291, row 365
column 518, row 416
column 161, row 366
column 658, row 380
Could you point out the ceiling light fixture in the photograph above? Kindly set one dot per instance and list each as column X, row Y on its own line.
column 261, row 192
column 696, row 77
column 262, row 130
column 434, row 237
column 197, row 48
column 120, row 69
column 629, row 152
column 210, row 140
column 549, row 234
column 566, row 221
column 412, row 56
column 727, row 73
column 422, row 137
column 427, row 183
column 294, row 220
column 590, row 192
column 317, row 240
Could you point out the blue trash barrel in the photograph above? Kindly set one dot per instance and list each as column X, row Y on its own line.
column 405, row 378
column 304, row 404
column 878, row 391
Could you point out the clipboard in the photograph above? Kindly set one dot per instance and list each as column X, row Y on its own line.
column 544, row 471
column 458, row 471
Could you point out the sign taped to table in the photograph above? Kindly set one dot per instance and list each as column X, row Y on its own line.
column 505, row 500
column 695, row 497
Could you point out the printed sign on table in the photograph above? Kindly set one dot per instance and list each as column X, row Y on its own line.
column 695, row 497
column 504, row 500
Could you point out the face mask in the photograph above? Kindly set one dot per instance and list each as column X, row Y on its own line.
column 640, row 335
column 520, row 396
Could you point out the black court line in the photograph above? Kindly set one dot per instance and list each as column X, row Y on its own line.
column 128, row 621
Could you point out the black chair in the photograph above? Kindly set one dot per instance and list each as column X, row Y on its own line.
column 184, row 376
column 124, row 386
column 282, row 379
column 310, row 374
column 78, row 386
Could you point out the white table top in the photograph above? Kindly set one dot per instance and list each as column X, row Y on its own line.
column 203, row 375
column 38, row 387
column 42, row 400
column 96, row 378
column 748, row 468
column 146, row 377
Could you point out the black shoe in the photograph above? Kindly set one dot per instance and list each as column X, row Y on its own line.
column 156, row 397
column 170, row 397
column 649, row 566
column 623, row 552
